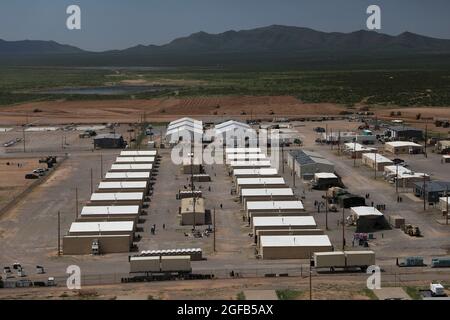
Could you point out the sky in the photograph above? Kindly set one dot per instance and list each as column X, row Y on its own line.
column 119, row 24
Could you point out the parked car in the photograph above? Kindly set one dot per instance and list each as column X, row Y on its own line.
column 31, row 176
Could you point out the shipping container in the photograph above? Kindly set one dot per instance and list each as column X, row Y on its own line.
column 144, row 264
column 396, row 221
column 360, row 258
column 176, row 264
column 329, row 259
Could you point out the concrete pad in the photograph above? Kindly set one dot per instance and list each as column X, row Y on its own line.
column 391, row 293
column 260, row 295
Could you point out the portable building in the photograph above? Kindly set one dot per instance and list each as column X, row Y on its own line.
column 139, row 153
column 123, row 186
column 255, row 173
column 256, row 183
column 192, row 211
column 128, row 176
column 202, row 177
column 396, row 221
column 102, row 228
column 249, row 164
column 245, row 157
column 446, row 158
column 144, row 167
column 356, row 150
column 325, row 180
column 274, row 194
column 286, row 232
column 403, row 147
column 293, row 247
column 118, row 198
column 83, row 244
column 274, row 208
column 286, row 222
column 176, row 264
column 375, row 160
column 368, row 219
column 145, row 264
column 442, row 146
column 132, row 160
column 242, row 150
column 183, row 194
column 109, row 213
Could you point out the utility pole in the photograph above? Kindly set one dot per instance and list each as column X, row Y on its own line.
column 343, row 228
column 92, row 183
column 59, row 233
column 293, row 175
column 396, row 181
column 354, row 153
column 23, row 138
column 446, row 215
column 426, row 137
column 326, row 210
column 214, row 243
column 76, row 203
column 282, row 155
column 424, row 193
column 376, row 155
column 101, row 166
column 310, row 277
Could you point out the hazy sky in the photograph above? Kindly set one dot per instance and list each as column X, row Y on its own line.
column 117, row 24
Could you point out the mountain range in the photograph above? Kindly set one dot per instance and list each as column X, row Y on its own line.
column 274, row 43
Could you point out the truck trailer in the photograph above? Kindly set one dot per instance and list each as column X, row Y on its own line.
column 344, row 259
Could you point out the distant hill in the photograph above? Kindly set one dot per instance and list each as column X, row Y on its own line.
column 35, row 47
column 261, row 46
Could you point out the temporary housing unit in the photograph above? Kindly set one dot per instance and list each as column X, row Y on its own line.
column 273, row 194
column 368, row 219
column 255, row 173
column 402, row 147
column 256, row 183
column 144, row 167
column 253, row 164
column 231, row 128
column 118, row 198
column 391, row 172
column 375, row 160
column 355, row 150
column 273, row 223
column 306, row 164
column 245, row 157
column 132, row 160
column 123, row 186
column 242, row 151
column 128, row 176
column 109, row 213
column 274, row 208
column 433, row 190
column 111, row 237
column 192, row 211
column 139, row 153
column 409, row 179
column 183, row 194
column 202, row 177
column 293, row 247
column 286, row 232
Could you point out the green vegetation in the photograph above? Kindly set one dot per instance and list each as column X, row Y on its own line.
column 240, row 296
column 369, row 293
column 387, row 87
column 288, row 294
column 414, row 293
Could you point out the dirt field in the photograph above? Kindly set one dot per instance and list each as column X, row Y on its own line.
column 125, row 111
column 12, row 180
